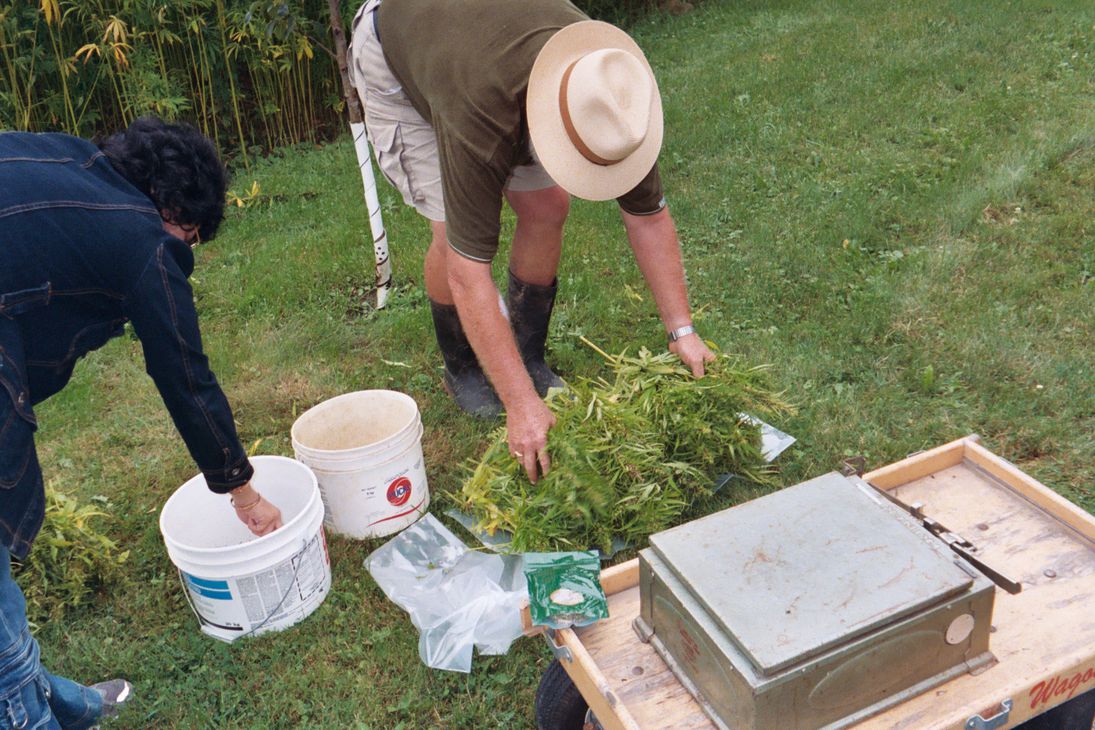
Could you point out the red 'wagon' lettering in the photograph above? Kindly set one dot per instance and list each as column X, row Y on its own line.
column 1041, row 693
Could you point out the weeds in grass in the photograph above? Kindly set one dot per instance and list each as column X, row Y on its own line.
column 71, row 558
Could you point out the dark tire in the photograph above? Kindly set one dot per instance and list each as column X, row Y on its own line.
column 1076, row 714
column 559, row 704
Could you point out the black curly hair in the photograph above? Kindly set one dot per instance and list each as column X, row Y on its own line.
column 176, row 166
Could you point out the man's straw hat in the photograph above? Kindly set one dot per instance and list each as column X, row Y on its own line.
column 594, row 112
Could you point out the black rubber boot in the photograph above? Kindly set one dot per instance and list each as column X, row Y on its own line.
column 464, row 379
column 529, row 313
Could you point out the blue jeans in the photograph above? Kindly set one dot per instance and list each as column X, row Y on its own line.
column 31, row 697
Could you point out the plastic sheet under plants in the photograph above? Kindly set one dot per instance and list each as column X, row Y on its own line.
column 458, row 599
column 633, row 452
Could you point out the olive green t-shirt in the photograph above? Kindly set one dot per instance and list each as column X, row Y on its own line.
column 465, row 64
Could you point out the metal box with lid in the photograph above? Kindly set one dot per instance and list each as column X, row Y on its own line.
column 816, row 606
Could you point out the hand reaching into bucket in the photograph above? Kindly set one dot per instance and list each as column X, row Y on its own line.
column 259, row 515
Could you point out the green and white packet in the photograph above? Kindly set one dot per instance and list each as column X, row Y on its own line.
column 564, row 589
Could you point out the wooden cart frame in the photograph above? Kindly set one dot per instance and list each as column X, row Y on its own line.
column 1043, row 638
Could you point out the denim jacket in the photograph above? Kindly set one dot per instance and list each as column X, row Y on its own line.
column 81, row 253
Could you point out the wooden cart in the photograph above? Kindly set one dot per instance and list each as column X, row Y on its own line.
column 1043, row 638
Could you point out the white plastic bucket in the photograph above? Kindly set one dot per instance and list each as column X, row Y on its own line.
column 240, row 584
column 366, row 451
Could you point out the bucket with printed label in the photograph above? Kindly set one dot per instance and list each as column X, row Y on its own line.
column 366, row 451
column 240, row 584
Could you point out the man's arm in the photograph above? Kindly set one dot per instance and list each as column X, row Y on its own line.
column 657, row 249
column 528, row 419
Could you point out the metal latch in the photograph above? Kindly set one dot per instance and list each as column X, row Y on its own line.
column 953, row 540
column 561, row 652
column 998, row 720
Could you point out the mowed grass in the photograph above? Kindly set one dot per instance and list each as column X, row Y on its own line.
column 891, row 204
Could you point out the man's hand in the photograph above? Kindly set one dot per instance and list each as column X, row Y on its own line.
column 259, row 515
column 527, row 418
column 526, row 429
column 693, row 352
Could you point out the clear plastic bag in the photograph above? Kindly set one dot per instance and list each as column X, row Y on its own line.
column 458, row 599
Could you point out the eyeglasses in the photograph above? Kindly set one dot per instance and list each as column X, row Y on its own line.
column 188, row 233
column 193, row 235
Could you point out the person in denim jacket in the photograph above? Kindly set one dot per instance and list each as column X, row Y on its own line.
column 92, row 237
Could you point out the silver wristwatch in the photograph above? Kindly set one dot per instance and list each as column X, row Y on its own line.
column 680, row 332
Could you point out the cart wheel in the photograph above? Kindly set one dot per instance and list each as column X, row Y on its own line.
column 1076, row 714
column 559, row 704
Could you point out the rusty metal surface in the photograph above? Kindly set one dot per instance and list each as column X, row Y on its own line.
column 791, row 575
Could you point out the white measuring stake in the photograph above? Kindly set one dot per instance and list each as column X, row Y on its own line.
column 376, row 223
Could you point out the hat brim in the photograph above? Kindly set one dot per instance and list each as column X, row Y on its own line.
column 560, row 158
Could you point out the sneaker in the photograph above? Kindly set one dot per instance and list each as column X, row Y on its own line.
column 115, row 693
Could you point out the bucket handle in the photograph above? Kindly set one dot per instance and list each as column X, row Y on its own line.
column 189, row 600
column 273, row 612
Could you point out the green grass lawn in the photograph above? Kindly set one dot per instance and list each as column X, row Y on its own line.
column 893, row 204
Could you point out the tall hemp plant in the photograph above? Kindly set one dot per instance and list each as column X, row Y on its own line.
column 22, row 60
column 247, row 73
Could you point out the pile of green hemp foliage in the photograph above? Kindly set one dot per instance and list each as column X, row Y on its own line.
column 632, row 453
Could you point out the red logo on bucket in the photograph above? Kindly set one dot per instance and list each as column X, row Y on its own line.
column 399, row 491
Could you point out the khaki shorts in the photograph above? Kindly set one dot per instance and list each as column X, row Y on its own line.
column 404, row 143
